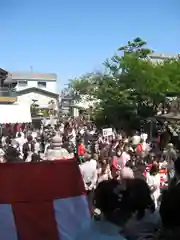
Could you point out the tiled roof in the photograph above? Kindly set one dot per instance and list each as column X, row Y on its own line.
column 34, row 75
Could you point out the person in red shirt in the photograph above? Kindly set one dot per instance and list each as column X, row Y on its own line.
column 81, row 150
column 139, row 148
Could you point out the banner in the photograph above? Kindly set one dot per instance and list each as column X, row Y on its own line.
column 107, row 132
column 42, row 201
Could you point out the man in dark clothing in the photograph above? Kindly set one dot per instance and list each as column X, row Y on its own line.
column 28, row 147
column 170, row 205
column 12, row 155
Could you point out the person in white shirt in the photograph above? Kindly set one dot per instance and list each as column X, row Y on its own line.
column 36, row 145
column 90, row 175
column 89, row 172
column 21, row 132
column 135, row 139
column 1, row 155
column 154, row 181
column 3, row 141
column 144, row 137
column 20, row 140
column 34, row 134
column 61, row 128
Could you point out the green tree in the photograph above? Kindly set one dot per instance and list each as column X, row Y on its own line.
column 121, row 90
column 87, row 85
column 133, row 87
column 142, row 85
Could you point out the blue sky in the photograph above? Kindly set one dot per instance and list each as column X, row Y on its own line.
column 73, row 37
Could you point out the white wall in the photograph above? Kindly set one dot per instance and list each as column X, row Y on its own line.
column 43, row 100
column 51, row 85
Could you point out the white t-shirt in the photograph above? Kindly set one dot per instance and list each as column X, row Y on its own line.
column 154, row 181
column 20, row 141
column 73, row 136
column 124, row 158
column 37, row 147
column 89, row 172
column 34, row 135
column 61, row 129
column 136, row 139
column 144, row 136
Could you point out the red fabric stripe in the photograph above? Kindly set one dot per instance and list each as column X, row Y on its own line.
column 45, row 181
column 35, row 221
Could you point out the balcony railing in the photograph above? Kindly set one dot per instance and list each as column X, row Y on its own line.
column 7, row 92
column 7, row 95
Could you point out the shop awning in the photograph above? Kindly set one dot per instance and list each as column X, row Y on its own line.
column 15, row 113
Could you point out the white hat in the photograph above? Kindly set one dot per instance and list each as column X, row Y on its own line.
column 56, row 141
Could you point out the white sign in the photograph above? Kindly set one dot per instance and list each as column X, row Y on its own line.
column 107, row 132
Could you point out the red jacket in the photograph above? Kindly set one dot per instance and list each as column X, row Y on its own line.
column 139, row 148
column 81, row 149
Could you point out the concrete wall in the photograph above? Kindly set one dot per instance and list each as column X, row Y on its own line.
column 42, row 99
column 51, row 86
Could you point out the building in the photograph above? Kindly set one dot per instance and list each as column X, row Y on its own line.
column 45, row 81
column 159, row 57
column 7, row 85
column 11, row 111
column 42, row 97
column 36, row 87
column 22, row 92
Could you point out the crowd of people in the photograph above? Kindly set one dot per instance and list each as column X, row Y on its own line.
column 132, row 184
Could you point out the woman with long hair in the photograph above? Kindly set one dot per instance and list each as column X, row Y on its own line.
column 154, row 181
column 104, row 171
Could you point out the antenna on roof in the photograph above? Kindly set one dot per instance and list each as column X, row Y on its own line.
column 31, row 69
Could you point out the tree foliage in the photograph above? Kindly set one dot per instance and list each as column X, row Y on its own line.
column 87, row 85
column 133, row 87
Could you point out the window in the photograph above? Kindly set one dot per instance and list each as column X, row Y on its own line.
column 22, row 83
column 66, row 103
column 41, row 84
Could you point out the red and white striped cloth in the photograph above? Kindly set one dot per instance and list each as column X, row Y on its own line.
column 41, row 201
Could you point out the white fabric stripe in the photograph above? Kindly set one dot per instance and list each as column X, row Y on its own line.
column 7, row 223
column 71, row 214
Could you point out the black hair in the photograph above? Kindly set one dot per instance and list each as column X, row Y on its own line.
column 19, row 135
column 35, row 157
column 110, row 196
column 154, row 168
column 29, row 138
column 11, row 154
column 140, row 197
column 177, row 165
column 8, row 140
